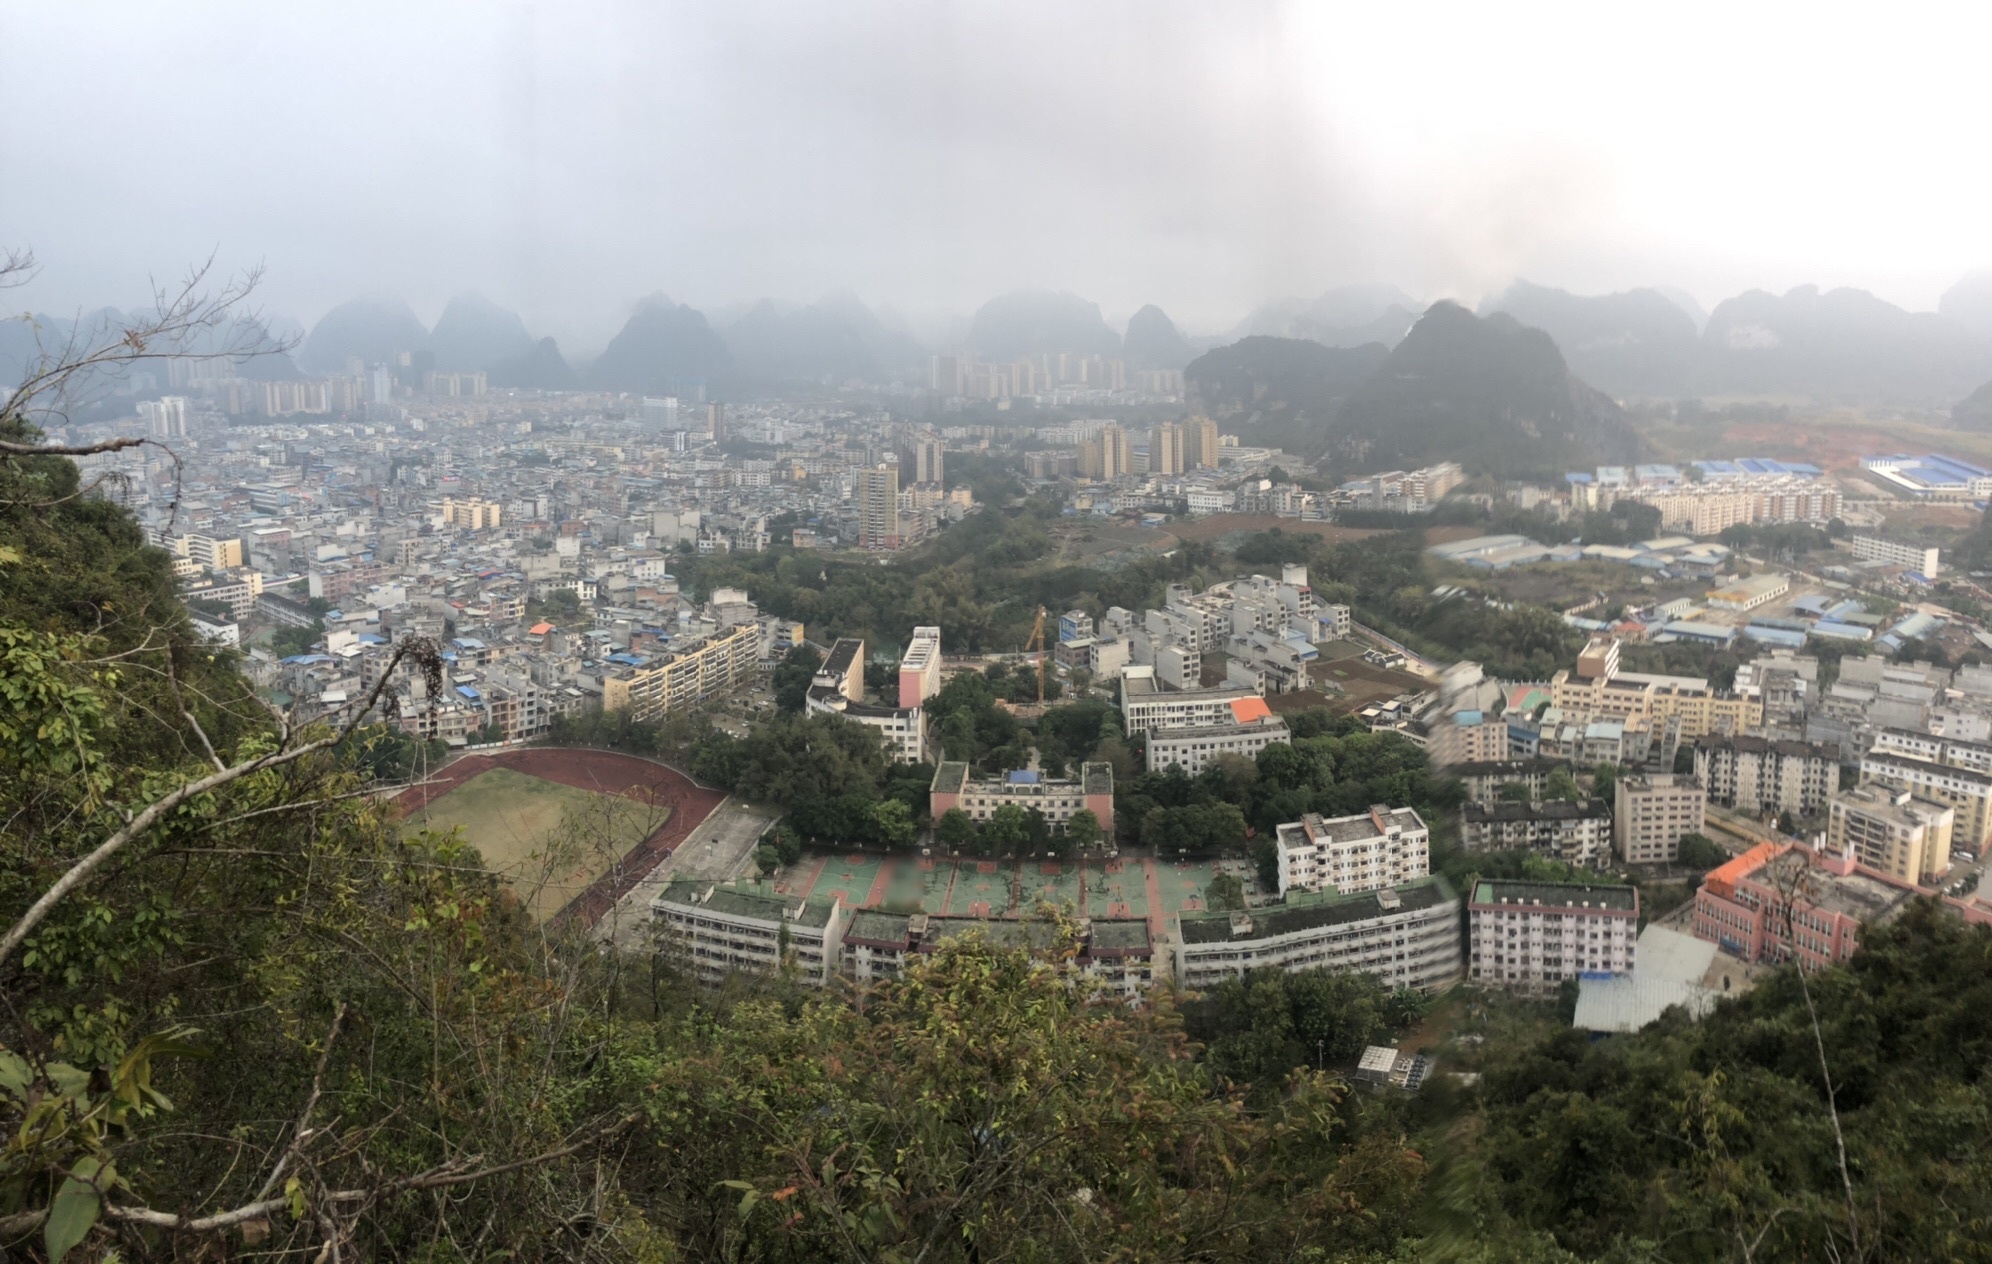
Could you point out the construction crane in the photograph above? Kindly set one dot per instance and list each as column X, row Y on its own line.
column 1037, row 642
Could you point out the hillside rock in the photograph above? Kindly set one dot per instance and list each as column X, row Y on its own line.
column 1492, row 394
column 1281, row 392
column 1154, row 342
column 662, row 348
column 1969, row 303
column 475, row 333
column 539, row 367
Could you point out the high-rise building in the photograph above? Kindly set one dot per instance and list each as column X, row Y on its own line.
column 1114, row 457
column 1165, row 452
column 878, row 507
column 927, row 459
column 165, row 418
column 660, row 415
column 1200, row 443
column 944, row 375
column 716, row 421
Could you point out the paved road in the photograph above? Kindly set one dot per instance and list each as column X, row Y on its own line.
column 722, row 847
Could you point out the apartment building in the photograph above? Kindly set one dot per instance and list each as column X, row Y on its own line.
column 1651, row 813
column 1529, row 937
column 1575, row 833
column 696, row 669
column 876, row 491
column 1145, row 705
column 1922, row 559
column 1965, row 789
column 714, row 930
column 1758, row 775
column 1406, row 937
column 1780, row 900
column 1892, row 832
column 1383, row 847
column 1193, row 749
column 1488, row 780
column 920, row 667
column 1058, row 799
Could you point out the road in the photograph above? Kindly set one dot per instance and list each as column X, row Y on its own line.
column 721, row 848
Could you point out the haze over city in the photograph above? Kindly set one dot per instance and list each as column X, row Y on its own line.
column 566, row 160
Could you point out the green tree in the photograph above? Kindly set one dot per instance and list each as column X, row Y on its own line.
column 955, row 830
column 1006, row 830
column 1699, row 851
column 767, row 859
column 1225, row 892
column 893, row 821
column 790, row 681
column 1083, row 830
column 1560, row 785
column 1604, row 782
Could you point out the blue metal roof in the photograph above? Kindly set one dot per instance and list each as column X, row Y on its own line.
column 1023, row 777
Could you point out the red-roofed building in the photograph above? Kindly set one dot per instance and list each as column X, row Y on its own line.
column 1778, row 900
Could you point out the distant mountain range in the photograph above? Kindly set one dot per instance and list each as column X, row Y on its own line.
column 369, row 330
column 835, row 340
column 1348, row 316
column 1637, row 343
column 1837, row 346
column 1030, row 322
column 1490, row 393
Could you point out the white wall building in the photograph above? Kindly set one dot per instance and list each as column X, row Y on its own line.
column 1529, row 937
column 1382, row 847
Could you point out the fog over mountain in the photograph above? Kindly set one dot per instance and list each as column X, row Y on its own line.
column 1209, row 162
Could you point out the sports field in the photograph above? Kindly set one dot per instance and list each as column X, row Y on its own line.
column 550, row 841
column 1156, row 890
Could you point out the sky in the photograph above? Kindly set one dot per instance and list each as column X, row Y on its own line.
column 567, row 159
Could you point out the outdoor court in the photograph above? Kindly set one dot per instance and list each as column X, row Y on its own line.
column 1152, row 889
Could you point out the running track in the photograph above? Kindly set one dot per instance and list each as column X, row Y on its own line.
column 609, row 772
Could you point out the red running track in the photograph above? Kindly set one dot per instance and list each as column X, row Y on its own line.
column 609, row 772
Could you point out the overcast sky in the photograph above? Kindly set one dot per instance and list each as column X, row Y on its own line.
column 568, row 158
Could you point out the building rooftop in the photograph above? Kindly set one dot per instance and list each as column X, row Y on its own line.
column 1669, row 968
column 1310, row 912
column 721, row 898
column 1571, row 895
column 1349, row 829
column 843, row 656
column 1541, row 810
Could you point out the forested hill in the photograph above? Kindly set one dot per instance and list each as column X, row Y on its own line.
column 1488, row 392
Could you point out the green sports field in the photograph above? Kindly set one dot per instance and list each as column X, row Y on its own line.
column 548, row 840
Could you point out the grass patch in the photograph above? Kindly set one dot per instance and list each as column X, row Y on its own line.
column 547, row 840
